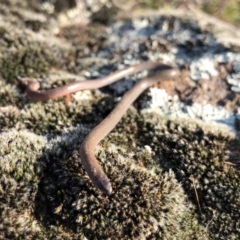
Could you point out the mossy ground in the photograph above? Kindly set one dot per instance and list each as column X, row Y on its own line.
column 157, row 166
column 154, row 192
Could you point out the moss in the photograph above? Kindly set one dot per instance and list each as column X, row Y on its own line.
column 24, row 48
column 65, row 198
column 49, row 117
column 152, row 4
column 199, row 162
column 146, row 203
column 230, row 12
column 155, row 164
column 21, row 54
column 226, row 10
column 18, row 183
column 8, row 94
column 64, row 203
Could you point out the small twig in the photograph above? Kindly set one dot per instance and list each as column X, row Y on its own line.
column 230, row 163
column 196, row 194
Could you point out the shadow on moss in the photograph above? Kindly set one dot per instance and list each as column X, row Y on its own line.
column 146, row 202
column 199, row 161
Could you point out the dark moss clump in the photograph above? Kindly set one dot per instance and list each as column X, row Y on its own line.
column 199, row 162
column 26, row 54
column 49, row 117
column 146, row 203
column 8, row 94
column 24, row 14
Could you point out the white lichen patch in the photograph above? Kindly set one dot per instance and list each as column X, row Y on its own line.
column 203, row 68
column 173, row 107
